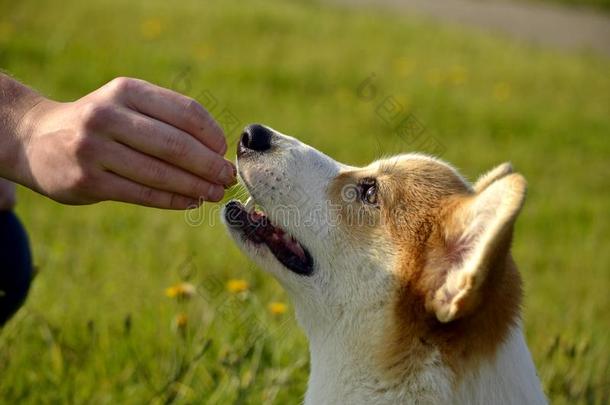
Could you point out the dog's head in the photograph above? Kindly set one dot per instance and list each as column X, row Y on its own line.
column 403, row 252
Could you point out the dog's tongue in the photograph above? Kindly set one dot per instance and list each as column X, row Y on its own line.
column 274, row 236
column 279, row 236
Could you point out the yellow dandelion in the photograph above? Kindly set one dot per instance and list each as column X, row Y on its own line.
column 181, row 321
column 343, row 95
column 237, row 285
column 434, row 77
column 277, row 308
column 403, row 66
column 501, row 91
column 6, row 29
column 404, row 102
column 180, row 290
column 203, row 51
column 457, row 75
column 151, row 28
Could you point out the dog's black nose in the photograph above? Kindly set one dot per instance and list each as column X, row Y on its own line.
column 256, row 137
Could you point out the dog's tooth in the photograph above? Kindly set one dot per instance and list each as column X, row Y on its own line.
column 249, row 205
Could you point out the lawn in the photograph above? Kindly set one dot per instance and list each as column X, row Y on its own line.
column 100, row 326
column 601, row 5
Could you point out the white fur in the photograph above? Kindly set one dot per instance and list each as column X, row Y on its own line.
column 510, row 378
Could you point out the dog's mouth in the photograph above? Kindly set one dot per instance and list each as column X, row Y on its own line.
column 255, row 227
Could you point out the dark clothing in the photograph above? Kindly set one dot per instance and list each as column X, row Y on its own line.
column 15, row 265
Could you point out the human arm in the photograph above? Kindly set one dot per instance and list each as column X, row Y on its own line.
column 127, row 141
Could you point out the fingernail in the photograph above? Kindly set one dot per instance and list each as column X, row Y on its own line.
column 227, row 175
column 215, row 193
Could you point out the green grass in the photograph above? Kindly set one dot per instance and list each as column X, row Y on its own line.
column 97, row 327
column 593, row 4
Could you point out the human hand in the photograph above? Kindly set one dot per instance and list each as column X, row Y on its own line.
column 127, row 141
column 7, row 195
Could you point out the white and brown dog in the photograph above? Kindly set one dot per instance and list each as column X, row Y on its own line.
column 400, row 272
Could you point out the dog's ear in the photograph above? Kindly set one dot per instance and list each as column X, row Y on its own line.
column 477, row 229
column 492, row 175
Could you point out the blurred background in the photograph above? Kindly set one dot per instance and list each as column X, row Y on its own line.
column 133, row 305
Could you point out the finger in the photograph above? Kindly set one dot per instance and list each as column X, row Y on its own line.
column 157, row 174
column 174, row 109
column 171, row 145
column 7, row 195
column 117, row 188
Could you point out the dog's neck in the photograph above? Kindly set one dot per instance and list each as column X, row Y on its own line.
column 509, row 378
column 345, row 372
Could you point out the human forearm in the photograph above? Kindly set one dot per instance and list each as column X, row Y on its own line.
column 15, row 101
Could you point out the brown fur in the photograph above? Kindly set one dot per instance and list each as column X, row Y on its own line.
column 417, row 197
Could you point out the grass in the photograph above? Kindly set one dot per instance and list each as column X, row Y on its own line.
column 600, row 5
column 98, row 327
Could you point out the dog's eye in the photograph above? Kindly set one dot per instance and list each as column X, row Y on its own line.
column 368, row 192
column 371, row 195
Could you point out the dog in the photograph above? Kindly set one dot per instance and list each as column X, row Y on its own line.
column 400, row 272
